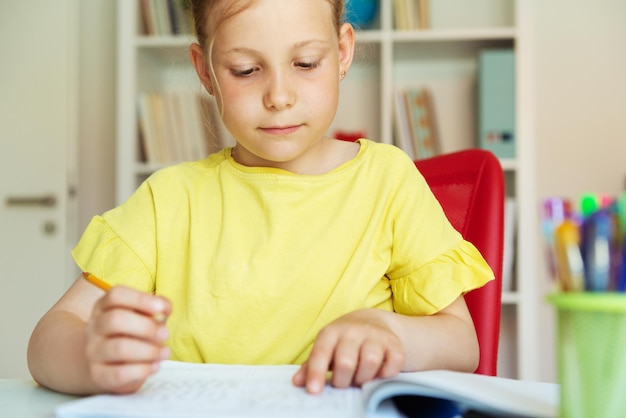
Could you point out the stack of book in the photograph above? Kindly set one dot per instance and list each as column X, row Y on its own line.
column 176, row 126
column 411, row 14
column 435, row 116
column 165, row 17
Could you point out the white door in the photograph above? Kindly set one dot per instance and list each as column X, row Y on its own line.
column 38, row 86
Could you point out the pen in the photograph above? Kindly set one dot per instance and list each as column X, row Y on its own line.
column 589, row 203
column 569, row 262
column 159, row 316
column 554, row 211
column 621, row 269
column 596, row 250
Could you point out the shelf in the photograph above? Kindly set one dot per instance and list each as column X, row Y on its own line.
column 508, row 164
column 175, row 41
column 436, row 35
column 450, row 35
column 367, row 36
column 510, row 298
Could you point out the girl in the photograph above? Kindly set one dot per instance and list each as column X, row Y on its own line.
column 289, row 248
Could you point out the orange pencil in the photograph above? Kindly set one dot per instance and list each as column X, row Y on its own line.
column 96, row 281
column 105, row 286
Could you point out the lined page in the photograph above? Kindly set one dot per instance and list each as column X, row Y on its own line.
column 185, row 390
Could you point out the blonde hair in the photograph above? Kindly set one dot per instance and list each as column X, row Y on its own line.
column 209, row 14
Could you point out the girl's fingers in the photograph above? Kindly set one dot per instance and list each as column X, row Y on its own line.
column 357, row 348
column 123, row 350
column 371, row 359
column 318, row 364
column 393, row 363
column 122, row 378
column 345, row 362
column 124, row 341
column 299, row 378
column 120, row 321
column 131, row 299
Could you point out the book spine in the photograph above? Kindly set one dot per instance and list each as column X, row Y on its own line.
column 422, row 122
column 403, row 138
column 164, row 17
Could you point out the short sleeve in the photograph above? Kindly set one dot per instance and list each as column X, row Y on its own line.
column 119, row 246
column 439, row 282
column 432, row 265
column 103, row 253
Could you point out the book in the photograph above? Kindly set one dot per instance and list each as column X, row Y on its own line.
column 453, row 102
column 147, row 129
column 400, row 15
column 185, row 390
column 411, row 15
column 423, row 14
column 403, row 138
column 162, row 13
column 176, row 126
column 165, row 17
column 180, row 16
column 496, row 101
column 416, row 123
column 422, row 121
column 147, row 21
column 508, row 259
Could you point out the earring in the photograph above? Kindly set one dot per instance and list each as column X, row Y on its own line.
column 343, row 74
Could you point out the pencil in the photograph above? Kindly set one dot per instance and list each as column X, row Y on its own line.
column 96, row 281
column 160, row 317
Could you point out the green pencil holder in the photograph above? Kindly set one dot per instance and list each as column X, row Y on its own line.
column 591, row 353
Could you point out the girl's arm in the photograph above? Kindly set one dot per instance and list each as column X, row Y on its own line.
column 371, row 343
column 91, row 341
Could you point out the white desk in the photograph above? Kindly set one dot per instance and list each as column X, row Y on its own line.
column 25, row 399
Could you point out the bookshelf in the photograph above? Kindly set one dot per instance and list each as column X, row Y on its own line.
column 386, row 59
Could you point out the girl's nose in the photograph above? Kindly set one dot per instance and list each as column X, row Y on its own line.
column 280, row 93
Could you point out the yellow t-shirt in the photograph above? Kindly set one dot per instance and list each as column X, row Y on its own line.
column 257, row 260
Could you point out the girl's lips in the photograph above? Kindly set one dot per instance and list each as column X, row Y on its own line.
column 281, row 130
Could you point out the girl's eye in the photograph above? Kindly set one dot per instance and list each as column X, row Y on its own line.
column 242, row 73
column 308, row 65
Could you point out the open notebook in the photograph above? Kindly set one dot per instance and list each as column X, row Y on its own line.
column 185, row 390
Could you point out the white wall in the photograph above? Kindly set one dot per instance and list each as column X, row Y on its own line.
column 580, row 60
column 96, row 148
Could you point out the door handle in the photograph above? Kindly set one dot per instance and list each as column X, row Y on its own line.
column 31, row 201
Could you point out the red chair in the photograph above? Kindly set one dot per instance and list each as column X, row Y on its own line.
column 469, row 184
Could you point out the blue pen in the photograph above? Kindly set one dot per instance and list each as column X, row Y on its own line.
column 621, row 269
column 597, row 238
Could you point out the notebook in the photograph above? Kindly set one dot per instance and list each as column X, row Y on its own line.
column 186, row 390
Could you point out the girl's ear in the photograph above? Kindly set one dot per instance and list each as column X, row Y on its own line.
column 200, row 64
column 346, row 47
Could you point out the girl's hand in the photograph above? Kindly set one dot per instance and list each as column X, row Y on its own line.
column 125, row 340
column 356, row 348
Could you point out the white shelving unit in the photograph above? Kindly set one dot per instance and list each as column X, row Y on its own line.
column 386, row 59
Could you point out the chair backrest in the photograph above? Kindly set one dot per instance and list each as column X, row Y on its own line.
column 469, row 184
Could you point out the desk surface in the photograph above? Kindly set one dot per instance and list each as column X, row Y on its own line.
column 25, row 399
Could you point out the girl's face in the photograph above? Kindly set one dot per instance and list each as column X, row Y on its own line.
column 277, row 67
